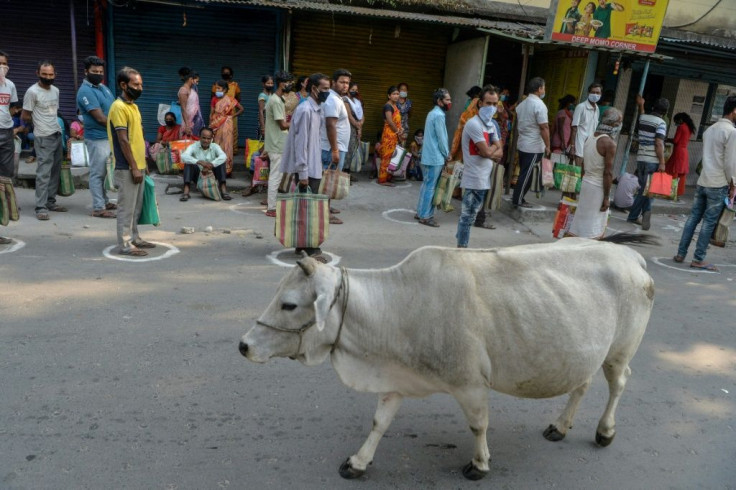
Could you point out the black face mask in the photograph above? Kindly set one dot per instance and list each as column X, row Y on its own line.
column 226, row 76
column 353, row 93
column 170, row 123
column 46, row 81
column 322, row 97
column 95, row 78
column 133, row 93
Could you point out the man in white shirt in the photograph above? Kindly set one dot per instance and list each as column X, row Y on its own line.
column 8, row 97
column 480, row 143
column 533, row 140
column 335, row 128
column 207, row 156
column 716, row 183
column 585, row 120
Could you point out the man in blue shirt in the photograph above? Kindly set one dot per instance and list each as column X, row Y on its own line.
column 435, row 153
column 94, row 100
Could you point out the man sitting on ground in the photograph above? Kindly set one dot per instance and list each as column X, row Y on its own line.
column 207, row 156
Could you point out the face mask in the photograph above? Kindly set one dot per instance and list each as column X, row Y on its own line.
column 403, row 95
column 46, row 81
column 616, row 130
column 219, row 94
column 419, row 140
column 543, row 94
column 95, row 78
column 322, row 97
column 226, row 76
column 594, row 98
column 486, row 113
column 447, row 106
column 133, row 93
column 170, row 123
column 353, row 93
column 571, row 107
column 504, row 97
column 268, row 88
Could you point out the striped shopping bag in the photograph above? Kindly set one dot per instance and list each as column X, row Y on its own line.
column 207, row 185
column 6, row 188
column 302, row 220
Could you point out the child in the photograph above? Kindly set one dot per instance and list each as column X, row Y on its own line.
column 415, row 169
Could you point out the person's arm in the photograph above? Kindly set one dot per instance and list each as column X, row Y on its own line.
column 607, row 148
column 640, row 103
column 730, row 164
column 388, row 117
column 544, row 131
column 261, row 107
column 353, row 122
column 617, row 6
column 159, row 135
column 98, row 116
column 238, row 109
column 279, row 115
column 220, row 156
column 187, row 156
column 183, row 98
column 440, row 131
column 122, row 135
column 300, row 144
column 659, row 137
column 331, row 127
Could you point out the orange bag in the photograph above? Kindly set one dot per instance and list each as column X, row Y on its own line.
column 177, row 147
column 660, row 184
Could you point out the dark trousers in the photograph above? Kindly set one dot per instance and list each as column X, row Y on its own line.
column 526, row 162
column 7, row 153
column 314, row 187
column 191, row 173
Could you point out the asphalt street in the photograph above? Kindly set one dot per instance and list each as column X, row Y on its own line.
column 121, row 374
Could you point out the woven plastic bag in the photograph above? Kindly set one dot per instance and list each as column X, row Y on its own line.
column 302, row 219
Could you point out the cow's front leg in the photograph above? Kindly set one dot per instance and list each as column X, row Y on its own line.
column 388, row 405
column 474, row 403
column 557, row 431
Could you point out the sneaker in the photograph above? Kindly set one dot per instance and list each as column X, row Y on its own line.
column 646, row 220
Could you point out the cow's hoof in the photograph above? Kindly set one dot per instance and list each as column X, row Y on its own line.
column 602, row 440
column 348, row 472
column 552, row 434
column 471, row 472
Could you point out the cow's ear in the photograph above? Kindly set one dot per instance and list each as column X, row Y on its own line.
column 321, row 310
column 307, row 266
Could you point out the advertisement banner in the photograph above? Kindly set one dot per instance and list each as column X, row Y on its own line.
column 626, row 25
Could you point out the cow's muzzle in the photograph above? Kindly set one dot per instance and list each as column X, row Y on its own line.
column 243, row 348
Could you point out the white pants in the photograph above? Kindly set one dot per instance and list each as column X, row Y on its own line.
column 274, row 178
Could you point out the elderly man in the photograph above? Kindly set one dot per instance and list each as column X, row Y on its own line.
column 533, row 142
column 591, row 216
column 716, row 182
column 207, row 156
column 302, row 150
column 435, row 154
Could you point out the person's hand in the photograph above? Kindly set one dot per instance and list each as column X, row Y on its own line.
column 137, row 175
column 547, row 152
column 264, row 155
column 335, row 156
column 605, row 205
column 303, row 183
column 639, row 99
column 661, row 167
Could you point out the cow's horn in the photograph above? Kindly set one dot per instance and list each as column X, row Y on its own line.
column 307, row 266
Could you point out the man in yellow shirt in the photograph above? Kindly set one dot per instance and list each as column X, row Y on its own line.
column 125, row 132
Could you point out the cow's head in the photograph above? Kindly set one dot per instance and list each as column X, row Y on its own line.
column 293, row 325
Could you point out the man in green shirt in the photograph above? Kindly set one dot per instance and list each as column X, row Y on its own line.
column 277, row 128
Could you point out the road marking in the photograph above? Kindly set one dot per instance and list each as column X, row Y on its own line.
column 172, row 250
column 658, row 261
column 386, row 214
column 248, row 207
column 405, row 185
column 273, row 257
column 17, row 245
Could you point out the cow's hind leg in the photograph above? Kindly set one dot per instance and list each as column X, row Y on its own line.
column 557, row 431
column 616, row 373
column 474, row 403
column 388, row 405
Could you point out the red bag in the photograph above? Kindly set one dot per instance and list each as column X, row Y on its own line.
column 660, row 184
column 548, row 176
column 563, row 218
column 260, row 170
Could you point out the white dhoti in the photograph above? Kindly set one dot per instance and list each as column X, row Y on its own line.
column 589, row 221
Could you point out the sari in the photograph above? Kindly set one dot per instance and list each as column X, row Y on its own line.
column 167, row 134
column 194, row 121
column 221, row 122
column 389, row 140
column 233, row 91
column 456, row 149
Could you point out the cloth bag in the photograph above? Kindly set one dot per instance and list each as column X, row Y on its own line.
column 493, row 196
column 302, row 219
column 207, row 185
column 164, row 164
column 720, row 232
column 251, row 146
column 548, row 176
column 335, row 184
column 66, row 182
column 397, row 159
column 568, row 178
column 260, row 170
column 110, row 175
column 149, row 208
column 449, row 179
column 564, row 216
column 287, row 184
column 177, row 147
column 79, row 154
column 4, row 209
column 659, row 184
column 9, row 192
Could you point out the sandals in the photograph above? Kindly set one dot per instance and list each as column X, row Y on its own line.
column 102, row 213
column 144, row 244
column 57, row 209
column 704, row 267
column 5, row 241
column 487, row 226
column 525, row 205
column 334, row 211
column 679, row 259
column 42, row 216
column 134, row 252
column 111, row 206
column 271, row 213
column 226, row 197
column 264, row 202
column 429, row 222
column 184, row 197
column 334, row 220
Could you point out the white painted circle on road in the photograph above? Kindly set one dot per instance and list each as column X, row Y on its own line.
column 17, row 245
column 412, row 212
column 247, row 208
column 273, row 257
column 172, row 250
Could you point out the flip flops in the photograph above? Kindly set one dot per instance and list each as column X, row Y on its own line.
column 184, row 198
column 134, row 252
column 429, row 222
column 144, row 244
column 226, row 197
column 103, row 213
column 57, row 209
column 42, row 216
column 704, row 267
column 5, row 241
column 679, row 259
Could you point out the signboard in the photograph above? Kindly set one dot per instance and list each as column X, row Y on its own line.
column 626, row 25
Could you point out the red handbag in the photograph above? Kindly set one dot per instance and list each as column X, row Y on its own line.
column 660, row 184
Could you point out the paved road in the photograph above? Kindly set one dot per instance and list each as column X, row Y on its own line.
column 127, row 375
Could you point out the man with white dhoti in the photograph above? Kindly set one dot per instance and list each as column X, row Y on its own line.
column 591, row 216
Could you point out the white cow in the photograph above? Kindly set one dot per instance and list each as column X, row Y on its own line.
column 532, row 321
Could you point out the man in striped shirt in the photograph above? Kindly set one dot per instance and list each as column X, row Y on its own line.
column 652, row 131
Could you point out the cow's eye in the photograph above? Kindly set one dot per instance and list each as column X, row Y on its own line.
column 288, row 306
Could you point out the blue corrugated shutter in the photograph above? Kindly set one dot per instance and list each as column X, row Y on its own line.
column 153, row 39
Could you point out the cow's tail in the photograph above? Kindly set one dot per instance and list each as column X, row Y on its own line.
column 631, row 238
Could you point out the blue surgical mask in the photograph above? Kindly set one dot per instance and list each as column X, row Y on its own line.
column 504, row 97
column 219, row 94
column 486, row 113
column 594, row 98
column 543, row 94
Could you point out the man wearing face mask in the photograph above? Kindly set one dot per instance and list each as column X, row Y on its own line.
column 533, row 142
column 94, row 100
column 40, row 105
column 302, row 149
column 585, row 120
column 125, row 132
column 277, row 128
column 481, row 143
column 435, row 154
column 8, row 98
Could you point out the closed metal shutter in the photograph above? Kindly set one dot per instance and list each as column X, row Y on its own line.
column 154, row 39
column 379, row 54
column 41, row 30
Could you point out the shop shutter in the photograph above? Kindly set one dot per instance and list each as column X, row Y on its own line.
column 563, row 71
column 379, row 54
column 158, row 39
column 40, row 30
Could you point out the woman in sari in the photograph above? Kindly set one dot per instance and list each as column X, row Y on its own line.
column 224, row 111
column 470, row 112
column 391, row 131
column 166, row 133
column 192, row 121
